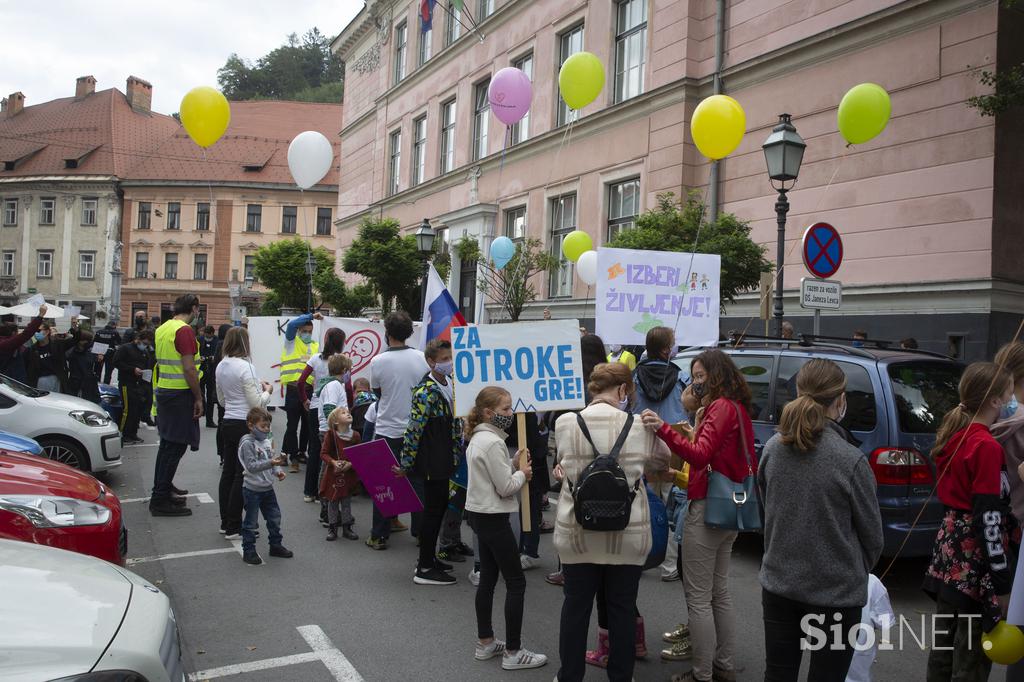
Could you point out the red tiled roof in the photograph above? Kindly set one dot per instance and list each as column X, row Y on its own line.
column 101, row 127
column 258, row 137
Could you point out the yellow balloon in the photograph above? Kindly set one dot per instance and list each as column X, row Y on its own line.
column 717, row 126
column 575, row 244
column 1005, row 644
column 581, row 79
column 205, row 114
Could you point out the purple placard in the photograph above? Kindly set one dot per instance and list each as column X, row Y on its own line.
column 393, row 495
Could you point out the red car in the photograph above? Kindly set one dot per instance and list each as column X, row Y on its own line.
column 49, row 503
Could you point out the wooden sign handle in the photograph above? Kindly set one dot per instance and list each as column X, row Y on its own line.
column 524, row 493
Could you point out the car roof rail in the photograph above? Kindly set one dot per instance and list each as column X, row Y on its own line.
column 880, row 344
column 805, row 341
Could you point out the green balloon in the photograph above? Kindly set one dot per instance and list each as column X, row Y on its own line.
column 864, row 112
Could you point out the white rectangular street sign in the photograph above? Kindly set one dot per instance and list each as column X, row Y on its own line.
column 821, row 293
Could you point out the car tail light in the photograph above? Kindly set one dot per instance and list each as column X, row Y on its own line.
column 900, row 466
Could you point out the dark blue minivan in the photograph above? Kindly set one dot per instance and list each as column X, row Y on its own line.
column 896, row 402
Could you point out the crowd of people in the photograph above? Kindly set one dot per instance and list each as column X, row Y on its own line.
column 678, row 431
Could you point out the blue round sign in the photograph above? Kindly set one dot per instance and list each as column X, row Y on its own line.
column 823, row 250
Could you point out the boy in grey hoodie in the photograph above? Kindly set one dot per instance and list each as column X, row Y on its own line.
column 261, row 469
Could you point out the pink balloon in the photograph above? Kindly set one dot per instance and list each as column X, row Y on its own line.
column 510, row 94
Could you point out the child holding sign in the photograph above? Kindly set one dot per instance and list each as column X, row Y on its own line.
column 490, row 498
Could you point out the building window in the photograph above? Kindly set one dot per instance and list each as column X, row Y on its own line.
column 395, row 163
column 630, row 48
column 623, row 206
column 253, row 217
column 401, row 43
column 289, row 219
column 563, row 221
column 447, row 136
column 249, row 268
column 202, row 316
column 7, row 264
column 44, row 264
column 166, row 311
column 10, row 212
column 173, row 215
column 481, row 119
column 199, row 266
column 89, row 206
column 484, row 8
column 521, row 129
column 419, row 150
column 323, row 221
column 203, row 216
column 47, row 209
column 453, row 27
column 141, row 265
column 171, row 266
column 145, row 209
column 86, row 265
column 426, row 46
column 569, row 43
column 515, row 224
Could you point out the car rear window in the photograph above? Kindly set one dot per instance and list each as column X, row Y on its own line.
column 924, row 392
column 861, row 413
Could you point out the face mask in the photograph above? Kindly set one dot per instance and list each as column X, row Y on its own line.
column 39, row 336
column 444, row 368
column 842, row 412
column 306, row 338
column 858, row 344
column 1009, row 408
column 259, row 434
column 616, row 349
column 503, row 421
column 698, row 390
column 624, row 404
column 141, row 346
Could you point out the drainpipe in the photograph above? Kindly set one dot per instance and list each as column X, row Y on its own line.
column 719, row 58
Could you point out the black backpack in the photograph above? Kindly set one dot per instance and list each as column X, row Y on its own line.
column 602, row 497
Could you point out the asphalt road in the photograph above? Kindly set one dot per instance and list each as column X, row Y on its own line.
column 367, row 614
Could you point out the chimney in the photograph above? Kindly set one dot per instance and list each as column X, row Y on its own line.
column 84, row 86
column 15, row 103
column 140, row 94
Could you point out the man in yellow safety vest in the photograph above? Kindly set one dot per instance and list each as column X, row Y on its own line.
column 179, row 404
column 299, row 347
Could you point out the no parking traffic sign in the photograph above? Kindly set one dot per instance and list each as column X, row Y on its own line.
column 823, row 250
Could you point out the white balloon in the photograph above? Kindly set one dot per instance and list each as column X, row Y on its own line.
column 586, row 267
column 309, row 158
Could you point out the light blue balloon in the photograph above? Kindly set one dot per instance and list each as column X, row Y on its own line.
column 502, row 250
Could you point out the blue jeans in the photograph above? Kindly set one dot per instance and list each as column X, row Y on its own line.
column 681, row 502
column 255, row 503
column 168, row 455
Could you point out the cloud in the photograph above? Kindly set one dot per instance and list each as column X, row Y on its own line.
column 174, row 45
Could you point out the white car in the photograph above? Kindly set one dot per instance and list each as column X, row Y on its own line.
column 73, row 618
column 70, row 430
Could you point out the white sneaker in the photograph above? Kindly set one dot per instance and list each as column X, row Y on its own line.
column 484, row 653
column 474, row 577
column 670, row 576
column 232, row 536
column 522, row 660
column 527, row 562
column 307, row 498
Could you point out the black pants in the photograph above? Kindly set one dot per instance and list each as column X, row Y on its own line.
column 582, row 583
column 957, row 653
column 133, row 399
column 168, row 455
column 208, row 387
column 381, row 528
column 296, row 435
column 499, row 551
column 783, row 635
column 311, row 485
column 602, row 610
column 229, row 492
column 108, row 367
column 220, row 433
column 435, row 503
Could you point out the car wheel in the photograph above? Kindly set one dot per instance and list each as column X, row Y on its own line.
column 65, row 452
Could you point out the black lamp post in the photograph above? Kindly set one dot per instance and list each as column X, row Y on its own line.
column 310, row 270
column 783, row 152
column 425, row 245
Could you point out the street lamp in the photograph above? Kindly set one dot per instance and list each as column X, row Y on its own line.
column 310, row 269
column 425, row 245
column 783, row 153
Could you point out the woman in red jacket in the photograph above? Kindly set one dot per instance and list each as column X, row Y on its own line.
column 706, row 552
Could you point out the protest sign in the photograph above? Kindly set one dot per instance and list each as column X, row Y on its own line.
column 539, row 363
column 100, row 348
column 640, row 290
column 36, row 300
column 363, row 340
column 392, row 494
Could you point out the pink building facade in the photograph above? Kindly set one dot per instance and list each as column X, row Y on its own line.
column 931, row 210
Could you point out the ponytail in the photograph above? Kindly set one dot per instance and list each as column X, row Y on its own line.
column 980, row 381
column 487, row 399
column 819, row 383
column 955, row 420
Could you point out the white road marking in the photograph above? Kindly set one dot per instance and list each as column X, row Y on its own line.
column 179, row 555
column 323, row 650
column 202, row 498
column 142, row 445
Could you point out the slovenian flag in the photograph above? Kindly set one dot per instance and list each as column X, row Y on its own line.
column 426, row 14
column 440, row 313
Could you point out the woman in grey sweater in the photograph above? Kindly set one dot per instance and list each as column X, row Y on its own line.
column 822, row 530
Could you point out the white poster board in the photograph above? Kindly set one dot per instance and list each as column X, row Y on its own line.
column 539, row 363
column 363, row 340
column 639, row 290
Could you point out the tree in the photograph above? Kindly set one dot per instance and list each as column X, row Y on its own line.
column 281, row 267
column 1007, row 83
column 345, row 300
column 389, row 262
column 303, row 70
column 510, row 287
column 671, row 227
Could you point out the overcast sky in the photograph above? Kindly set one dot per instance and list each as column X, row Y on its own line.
column 175, row 45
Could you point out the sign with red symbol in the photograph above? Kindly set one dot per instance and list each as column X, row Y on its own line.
column 823, row 250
